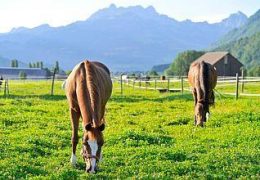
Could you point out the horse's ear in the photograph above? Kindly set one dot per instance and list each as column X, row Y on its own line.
column 88, row 127
column 102, row 127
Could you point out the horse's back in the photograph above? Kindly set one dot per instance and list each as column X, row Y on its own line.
column 195, row 73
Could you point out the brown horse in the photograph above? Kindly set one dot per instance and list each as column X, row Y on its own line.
column 88, row 89
column 203, row 79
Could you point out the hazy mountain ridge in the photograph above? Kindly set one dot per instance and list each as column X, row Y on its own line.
column 251, row 27
column 244, row 42
column 133, row 38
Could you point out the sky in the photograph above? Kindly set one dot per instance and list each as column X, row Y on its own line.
column 32, row 13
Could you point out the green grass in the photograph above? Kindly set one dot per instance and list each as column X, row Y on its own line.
column 148, row 135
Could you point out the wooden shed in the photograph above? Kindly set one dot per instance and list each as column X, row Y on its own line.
column 224, row 62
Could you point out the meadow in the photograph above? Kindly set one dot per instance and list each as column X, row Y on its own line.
column 148, row 135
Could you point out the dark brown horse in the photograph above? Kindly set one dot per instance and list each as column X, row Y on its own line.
column 88, row 89
column 203, row 79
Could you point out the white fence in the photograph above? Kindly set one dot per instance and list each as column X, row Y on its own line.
column 181, row 84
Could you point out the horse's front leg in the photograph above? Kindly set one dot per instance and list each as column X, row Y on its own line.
column 74, row 115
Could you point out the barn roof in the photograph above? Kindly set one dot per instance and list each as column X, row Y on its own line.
column 212, row 57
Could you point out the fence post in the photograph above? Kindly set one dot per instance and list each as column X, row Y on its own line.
column 5, row 88
column 155, row 84
column 243, row 77
column 53, row 78
column 134, row 84
column 140, row 83
column 237, row 80
column 181, row 85
column 168, row 84
column 7, row 85
column 121, row 84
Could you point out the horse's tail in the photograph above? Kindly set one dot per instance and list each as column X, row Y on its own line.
column 83, row 97
column 92, row 90
column 204, row 82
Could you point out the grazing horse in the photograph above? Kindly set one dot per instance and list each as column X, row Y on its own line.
column 203, row 79
column 88, row 89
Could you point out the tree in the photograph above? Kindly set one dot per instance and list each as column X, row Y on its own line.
column 68, row 72
column 152, row 73
column 254, row 71
column 14, row 63
column 41, row 64
column 57, row 66
column 182, row 62
column 30, row 65
column 22, row 75
column 48, row 72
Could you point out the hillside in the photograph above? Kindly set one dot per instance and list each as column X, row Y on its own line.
column 251, row 27
column 245, row 49
column 133, row 38
column 160, row 68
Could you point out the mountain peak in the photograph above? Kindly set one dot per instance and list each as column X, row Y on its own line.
column 235, row 20
column 112, row 6
column 113, row 11
column 238, row 14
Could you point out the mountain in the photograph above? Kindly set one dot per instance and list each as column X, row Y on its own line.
column 235, row 20
column 243, row 42
column 246, row 49
column 132, row 38
column 249, row 28
column 160, row 68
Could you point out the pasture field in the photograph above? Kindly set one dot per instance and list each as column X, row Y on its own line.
column 148, row 135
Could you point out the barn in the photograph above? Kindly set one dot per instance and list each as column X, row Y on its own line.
column 224, row 62
column 13, row 73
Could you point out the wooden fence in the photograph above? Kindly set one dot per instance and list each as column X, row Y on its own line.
column 181, row 84
column 50, row 81
column 5, row 86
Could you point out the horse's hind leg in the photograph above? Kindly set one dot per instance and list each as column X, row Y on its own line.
column 74, row 138
column 194, row 93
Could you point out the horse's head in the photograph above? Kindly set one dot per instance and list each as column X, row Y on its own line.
column 200, row 114
column 92, row 144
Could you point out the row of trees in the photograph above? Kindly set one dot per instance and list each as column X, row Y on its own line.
column 38, row 64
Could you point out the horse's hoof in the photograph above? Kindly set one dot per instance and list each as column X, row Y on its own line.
column 73, row 160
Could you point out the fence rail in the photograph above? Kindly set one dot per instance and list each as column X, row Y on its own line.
column 234, row 86
column 180, row 84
